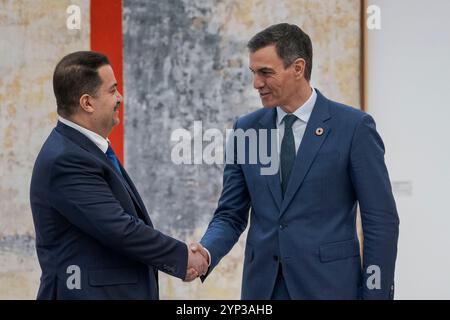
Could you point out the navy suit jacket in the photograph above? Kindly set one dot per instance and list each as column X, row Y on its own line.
column 92, row 226
column 311, row 231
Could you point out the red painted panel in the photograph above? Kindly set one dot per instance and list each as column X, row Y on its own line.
column 106, row 37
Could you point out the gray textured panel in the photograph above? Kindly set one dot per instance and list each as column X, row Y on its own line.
column 177, row 70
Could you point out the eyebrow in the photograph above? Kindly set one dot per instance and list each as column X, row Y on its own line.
column 262, row 69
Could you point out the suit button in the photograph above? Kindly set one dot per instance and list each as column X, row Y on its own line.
column 282, row 226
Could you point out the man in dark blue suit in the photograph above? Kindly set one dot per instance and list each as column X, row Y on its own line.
column 94, row 237
column 302, row 240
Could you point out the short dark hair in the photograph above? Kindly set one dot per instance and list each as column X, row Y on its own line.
column 76, row 74
column 290, row 42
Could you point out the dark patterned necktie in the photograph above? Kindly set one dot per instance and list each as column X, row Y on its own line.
column 287, row 153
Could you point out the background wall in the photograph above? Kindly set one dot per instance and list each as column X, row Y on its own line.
column 33, row 37
column 409, row 94
column 183, row 61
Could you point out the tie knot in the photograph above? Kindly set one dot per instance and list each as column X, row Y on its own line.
column 289, row 120
column 110, row 151
column 113, row 159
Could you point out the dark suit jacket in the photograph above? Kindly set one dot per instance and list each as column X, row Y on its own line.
column 311, row 231
column 92, row 226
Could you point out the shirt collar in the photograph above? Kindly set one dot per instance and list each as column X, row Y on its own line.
column 99, row 141
column 303, row 113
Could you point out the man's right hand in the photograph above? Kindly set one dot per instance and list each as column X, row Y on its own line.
column 197, row 247
column 197, row 264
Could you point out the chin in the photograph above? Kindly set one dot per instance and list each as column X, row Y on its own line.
column 269, row 105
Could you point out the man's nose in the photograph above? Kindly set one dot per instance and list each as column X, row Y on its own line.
column 258, row 83
column 119, row 96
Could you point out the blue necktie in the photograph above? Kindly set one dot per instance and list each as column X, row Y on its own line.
column 287, row 153
column 112, row 157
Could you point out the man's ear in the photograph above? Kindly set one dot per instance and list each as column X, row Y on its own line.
column 299, row 67
column 86, row 103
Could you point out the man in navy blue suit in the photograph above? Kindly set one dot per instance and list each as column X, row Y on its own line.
column 94, row 237
column 302, row 240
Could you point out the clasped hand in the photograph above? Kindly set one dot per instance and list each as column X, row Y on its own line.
column 198, row 261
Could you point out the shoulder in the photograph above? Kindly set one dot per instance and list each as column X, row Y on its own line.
column 250, row 120
column 59, row 153
column 349, row 113
column 360, row 124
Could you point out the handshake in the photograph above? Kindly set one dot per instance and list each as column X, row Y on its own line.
column 198, row 262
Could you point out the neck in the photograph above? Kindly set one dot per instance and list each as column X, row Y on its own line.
column 299, row 99
column 85, row 123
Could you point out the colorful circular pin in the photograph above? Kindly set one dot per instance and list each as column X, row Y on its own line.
column 319, row 132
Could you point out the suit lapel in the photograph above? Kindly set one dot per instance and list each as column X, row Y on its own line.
column 309, row 147
column 135, row 195
column 268, row 121
column 81, row 140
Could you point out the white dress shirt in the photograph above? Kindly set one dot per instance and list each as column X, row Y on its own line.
column 99, row 141
column 303, row 113
column 299, row 126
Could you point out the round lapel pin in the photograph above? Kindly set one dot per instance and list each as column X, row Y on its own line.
column 319, row 132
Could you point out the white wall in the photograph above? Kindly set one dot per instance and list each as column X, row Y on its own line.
column 409, row 97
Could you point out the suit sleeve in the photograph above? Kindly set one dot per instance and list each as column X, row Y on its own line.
column 379, row 216
column 231, row 216
column 80, row 193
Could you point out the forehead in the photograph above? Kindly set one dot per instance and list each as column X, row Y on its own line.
column 266, row 57
column 106, row 73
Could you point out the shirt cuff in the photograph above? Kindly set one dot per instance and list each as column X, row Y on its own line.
column 209, row 256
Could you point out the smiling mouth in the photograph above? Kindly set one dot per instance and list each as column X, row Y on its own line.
column 262, row 95
column 117, row 107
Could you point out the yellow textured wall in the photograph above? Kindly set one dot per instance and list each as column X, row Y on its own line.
column 33, row 37
column 333, row 25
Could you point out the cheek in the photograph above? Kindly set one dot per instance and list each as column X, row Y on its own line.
column 274, row 86
column 113, row 102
